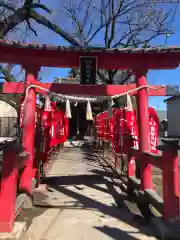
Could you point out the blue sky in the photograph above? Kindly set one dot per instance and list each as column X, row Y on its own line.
column 154, row 77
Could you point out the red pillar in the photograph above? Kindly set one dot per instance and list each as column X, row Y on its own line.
column 29, row 173
column 8, row 189
column 143, row 127
column 171, row 191
column 38, row 140
column 131, row 166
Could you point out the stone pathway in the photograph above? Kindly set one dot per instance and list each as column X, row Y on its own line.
column 85, row 203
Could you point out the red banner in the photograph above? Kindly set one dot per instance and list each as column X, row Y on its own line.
column 122, row 129
column 153, row 129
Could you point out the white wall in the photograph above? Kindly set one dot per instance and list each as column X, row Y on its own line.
column 173, row 117
column 8, row 117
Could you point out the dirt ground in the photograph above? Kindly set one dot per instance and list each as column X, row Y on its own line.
column 157, row 180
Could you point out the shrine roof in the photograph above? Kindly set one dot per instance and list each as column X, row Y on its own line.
column 69, row 57
column 90, row 49
column 171, row 98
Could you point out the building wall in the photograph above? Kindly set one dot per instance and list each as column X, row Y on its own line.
column 8, row 119
column 78, row 123
column 173, row 116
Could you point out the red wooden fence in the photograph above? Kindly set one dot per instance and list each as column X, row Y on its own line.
column 121, row 132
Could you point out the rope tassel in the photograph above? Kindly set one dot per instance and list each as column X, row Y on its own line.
column 110, row 112
column 68, row 109
column 89, row 115
column 129, row 104
column 47, row 106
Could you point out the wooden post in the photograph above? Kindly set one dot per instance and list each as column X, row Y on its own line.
column 8, row 189
column 171, row 191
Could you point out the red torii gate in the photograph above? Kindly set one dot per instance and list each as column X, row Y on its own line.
column 32, row 57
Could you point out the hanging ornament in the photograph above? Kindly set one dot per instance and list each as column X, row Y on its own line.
column 110, row 112
column 68, row 109
column 47, row 105
column 112, row 103
column 129, row 104
column 89, row 115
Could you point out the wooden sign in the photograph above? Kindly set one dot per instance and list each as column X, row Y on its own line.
column 88, row 70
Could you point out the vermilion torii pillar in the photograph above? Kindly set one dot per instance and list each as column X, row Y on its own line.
column 30, row 170
column 143, row 129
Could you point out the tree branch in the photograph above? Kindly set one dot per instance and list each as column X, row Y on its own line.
column 150, row 24
column 9, row 77
column 43, row 21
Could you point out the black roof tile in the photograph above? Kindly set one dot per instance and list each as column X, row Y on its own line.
column 91, row 48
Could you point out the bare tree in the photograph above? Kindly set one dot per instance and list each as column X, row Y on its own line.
column 17, row 15
column 110, row 23
column 118, row 23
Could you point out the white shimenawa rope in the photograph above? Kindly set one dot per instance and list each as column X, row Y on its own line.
column 63, row 98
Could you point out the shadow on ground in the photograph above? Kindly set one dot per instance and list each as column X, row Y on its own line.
column 115, row 233
column 117, row 210
column 105, row 176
